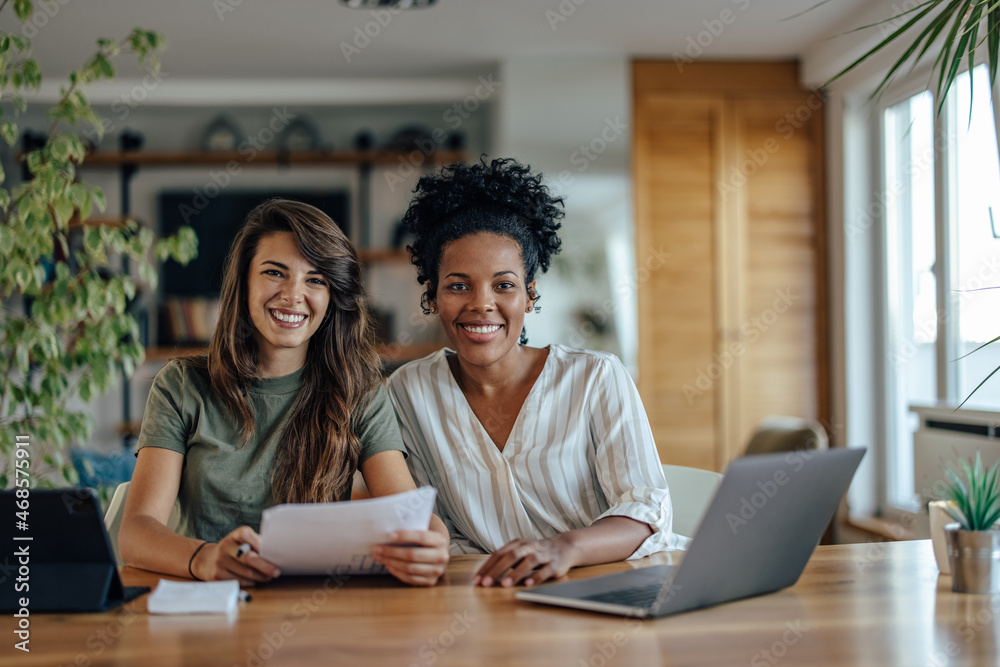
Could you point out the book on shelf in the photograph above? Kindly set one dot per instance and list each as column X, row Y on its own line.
column 189, row 320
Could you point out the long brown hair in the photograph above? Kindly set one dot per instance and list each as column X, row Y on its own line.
column 319, row 450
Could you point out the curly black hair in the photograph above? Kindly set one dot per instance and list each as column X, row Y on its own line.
column 502, row 198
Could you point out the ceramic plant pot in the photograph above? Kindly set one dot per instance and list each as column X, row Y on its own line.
column 939, row 518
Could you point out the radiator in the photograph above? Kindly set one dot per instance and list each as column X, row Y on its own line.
column 946, row 435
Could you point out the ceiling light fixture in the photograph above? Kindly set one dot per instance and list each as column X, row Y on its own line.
column 387, row 4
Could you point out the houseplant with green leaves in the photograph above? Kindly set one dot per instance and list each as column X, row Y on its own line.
column 974, row 538
column 975, row 500
column 951, row 31
column 65, row 330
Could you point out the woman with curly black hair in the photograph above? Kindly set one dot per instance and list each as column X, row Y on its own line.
column 541, row 456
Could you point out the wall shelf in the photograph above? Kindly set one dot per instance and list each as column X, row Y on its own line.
column 373, row 255
column 97, row 221
column 395, row 354
column 261, row 158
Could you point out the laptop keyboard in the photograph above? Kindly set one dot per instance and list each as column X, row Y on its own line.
column 641, row 596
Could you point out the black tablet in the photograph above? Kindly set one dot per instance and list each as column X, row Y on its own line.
column 58, row 558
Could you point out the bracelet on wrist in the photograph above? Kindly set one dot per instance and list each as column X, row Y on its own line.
column 191, row 562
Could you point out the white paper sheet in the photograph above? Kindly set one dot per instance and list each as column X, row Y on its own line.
column 337, row 538
column 194, row 597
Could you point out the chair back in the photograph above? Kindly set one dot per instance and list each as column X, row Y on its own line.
column 691, row 489
column 113, row 517
column 787, row 434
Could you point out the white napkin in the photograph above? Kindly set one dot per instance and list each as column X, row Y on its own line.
column 194, row 597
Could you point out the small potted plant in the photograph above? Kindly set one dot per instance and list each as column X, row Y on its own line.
column 974, row 541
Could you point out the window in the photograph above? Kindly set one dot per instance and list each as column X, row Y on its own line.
column 941, row 257
column 911, row 287
column 976, row 266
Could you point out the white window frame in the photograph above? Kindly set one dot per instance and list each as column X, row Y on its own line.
column 863, row 121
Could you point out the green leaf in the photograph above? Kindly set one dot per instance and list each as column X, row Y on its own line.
column 8, row 130
column 32, row 74
column 22, row 274
column 6, row 240
column 977, row 496
column 128, row 285
column 979, row 348
column 993, row 41
column 23, row 10
column 21, row 361
column 147, row 274
column 39, row 275
column 92, row 240
column 128, row 366
column 59, row 148
column 163, row 250
column 103, row 66
column 77, row 150
column 34, row 160
column 80, row 196
column 950, row 63
column 86, row 391
column 951, row 27
column 96, row 299
column 64, row 210
column 994, row 372
column 62, row 272
column 100, row 201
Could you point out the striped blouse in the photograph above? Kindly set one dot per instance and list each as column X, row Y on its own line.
column 581, row 449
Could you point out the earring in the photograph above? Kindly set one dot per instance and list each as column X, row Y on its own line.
column 426, row 306
column 534, row 296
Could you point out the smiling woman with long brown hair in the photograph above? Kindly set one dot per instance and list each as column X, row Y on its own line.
column 285, row 407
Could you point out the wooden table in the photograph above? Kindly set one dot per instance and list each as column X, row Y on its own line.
column 863, row 604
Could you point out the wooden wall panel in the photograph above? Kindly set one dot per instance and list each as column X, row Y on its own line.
column 779, row 370
column 727, row 166
column 675, row 172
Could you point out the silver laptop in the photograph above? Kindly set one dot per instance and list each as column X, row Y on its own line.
column 756, row 537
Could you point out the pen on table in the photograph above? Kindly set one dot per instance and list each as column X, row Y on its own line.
column 243, row 550
column 244, row 596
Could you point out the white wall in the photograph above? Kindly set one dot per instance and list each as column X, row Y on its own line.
column 570, row 119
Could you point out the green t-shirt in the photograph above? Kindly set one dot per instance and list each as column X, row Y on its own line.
column 225, row 485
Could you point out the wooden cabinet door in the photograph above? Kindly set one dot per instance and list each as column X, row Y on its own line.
column 781, row 263
column 729, row 230
column 676, row 152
